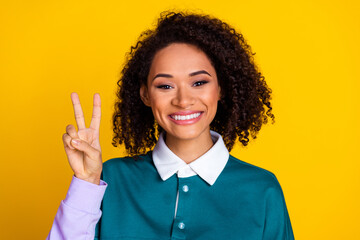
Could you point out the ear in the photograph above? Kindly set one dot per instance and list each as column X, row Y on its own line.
column 144, row 95
column 219, row 94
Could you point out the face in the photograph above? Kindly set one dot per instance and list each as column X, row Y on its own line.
column 182, row 91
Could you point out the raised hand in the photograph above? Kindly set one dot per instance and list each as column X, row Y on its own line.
column 82, row 147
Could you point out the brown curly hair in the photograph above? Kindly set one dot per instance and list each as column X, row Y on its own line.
column 245, row 97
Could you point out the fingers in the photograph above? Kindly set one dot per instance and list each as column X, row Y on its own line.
column 69, row 135
column 67, row 139
column 86, row 148
column 79, row 116
column 78, row 144
column 70, row 129
column 95, row 121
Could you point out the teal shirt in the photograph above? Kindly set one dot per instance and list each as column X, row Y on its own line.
column 245, row 203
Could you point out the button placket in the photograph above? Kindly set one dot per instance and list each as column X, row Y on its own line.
column 183, row 209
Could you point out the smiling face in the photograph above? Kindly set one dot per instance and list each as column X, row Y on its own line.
column 182, row 91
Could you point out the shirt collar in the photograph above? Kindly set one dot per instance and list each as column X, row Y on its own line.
column 208, row 166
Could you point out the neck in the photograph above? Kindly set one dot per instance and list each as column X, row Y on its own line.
column 189, row 149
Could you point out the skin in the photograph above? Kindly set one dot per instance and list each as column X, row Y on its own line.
column 82, row 147
column 181, row 81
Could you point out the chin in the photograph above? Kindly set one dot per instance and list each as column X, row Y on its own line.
column 186, row 134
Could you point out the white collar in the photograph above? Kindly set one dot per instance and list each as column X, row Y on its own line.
column 208, row 166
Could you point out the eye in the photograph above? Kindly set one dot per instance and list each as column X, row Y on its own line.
column 199, row 83
column 164, row 86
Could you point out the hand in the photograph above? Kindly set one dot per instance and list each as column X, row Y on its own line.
column 82, row 147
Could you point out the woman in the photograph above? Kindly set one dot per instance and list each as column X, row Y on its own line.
column 191, row 89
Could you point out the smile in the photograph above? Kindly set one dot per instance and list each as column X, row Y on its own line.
column 185, row 117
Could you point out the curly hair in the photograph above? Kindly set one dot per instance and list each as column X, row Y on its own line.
column 245, row 97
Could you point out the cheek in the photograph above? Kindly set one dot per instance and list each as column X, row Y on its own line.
column 158, row 107
column 212, row 99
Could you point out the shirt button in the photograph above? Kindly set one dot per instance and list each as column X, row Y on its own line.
column 185, row 188
column 181, row 225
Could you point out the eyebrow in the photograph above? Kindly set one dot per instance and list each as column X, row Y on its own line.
column 191, row 74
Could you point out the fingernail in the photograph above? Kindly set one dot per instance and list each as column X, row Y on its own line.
column 76, row 142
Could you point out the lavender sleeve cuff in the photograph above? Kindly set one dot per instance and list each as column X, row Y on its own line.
column 85, row 196
column 79, row 212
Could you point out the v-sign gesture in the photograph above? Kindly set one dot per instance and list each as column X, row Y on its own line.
column 82, row 147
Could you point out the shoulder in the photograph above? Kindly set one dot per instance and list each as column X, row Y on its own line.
column 248, row 168
column 113, row 162
column 136, row 166
column 253, row 176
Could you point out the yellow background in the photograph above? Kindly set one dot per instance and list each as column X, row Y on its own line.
column 307, row 50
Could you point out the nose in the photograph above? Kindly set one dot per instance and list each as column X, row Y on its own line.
column 184, row 98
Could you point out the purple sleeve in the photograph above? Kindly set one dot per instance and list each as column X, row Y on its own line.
column 79, row 212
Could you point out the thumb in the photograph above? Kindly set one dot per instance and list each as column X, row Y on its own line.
column 84, row 147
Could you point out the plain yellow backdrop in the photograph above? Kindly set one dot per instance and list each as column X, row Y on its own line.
column 307, row 50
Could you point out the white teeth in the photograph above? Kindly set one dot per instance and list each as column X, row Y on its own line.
column 185, row 117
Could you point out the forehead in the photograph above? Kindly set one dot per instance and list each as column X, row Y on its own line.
column 180, row 57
